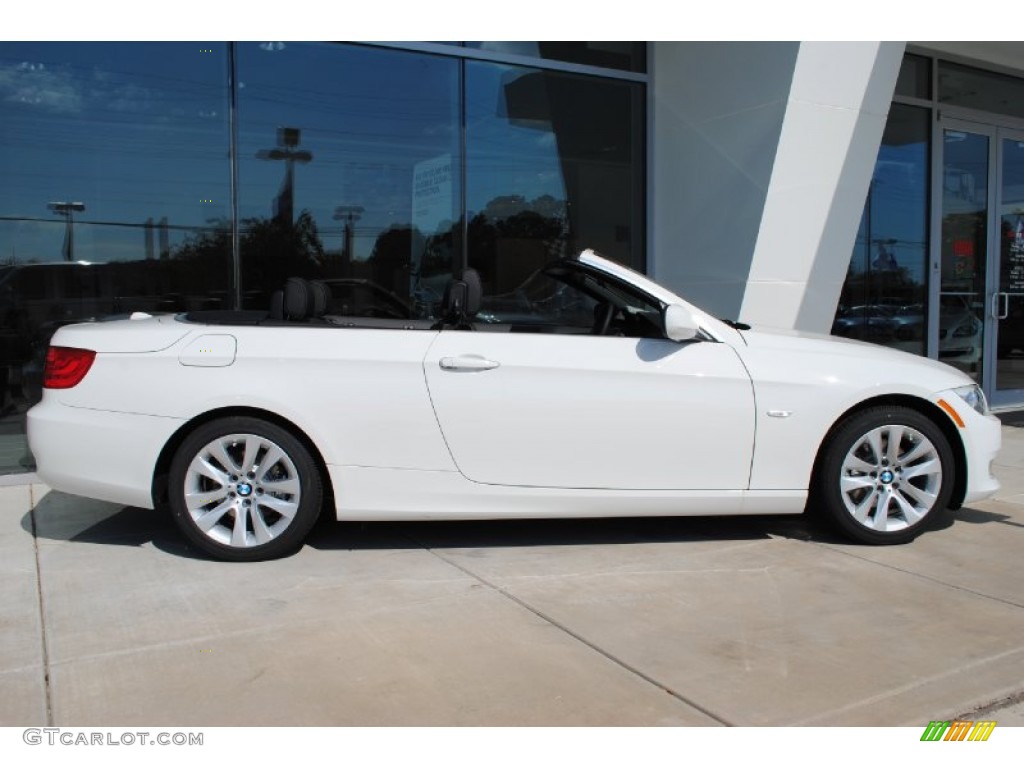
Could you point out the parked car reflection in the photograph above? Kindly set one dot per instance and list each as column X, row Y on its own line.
column 868, row 322
column 960, row 332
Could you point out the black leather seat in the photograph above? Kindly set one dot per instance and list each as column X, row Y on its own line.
column 604, row 311
column 461, row 302
column 300, row 300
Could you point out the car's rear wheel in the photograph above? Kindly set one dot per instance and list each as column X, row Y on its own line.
column 886, row 472
column 242, row 488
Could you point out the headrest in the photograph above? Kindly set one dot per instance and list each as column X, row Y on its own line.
column 474, row 292
column 321, row 298
column 277, row 305
column 454, row 301
column 297, row 299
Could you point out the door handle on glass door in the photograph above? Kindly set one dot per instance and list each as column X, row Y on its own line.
column 1000, row 305
column 467, row 363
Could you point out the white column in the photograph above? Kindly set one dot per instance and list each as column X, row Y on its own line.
column 831, row 132
column 716, row 117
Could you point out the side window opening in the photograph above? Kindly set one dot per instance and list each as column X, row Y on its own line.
column 566, row 298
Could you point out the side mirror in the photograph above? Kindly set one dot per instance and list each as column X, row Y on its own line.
column 680, row 324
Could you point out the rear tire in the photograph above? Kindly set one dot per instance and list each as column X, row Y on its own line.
column 885, row 474
column 244, row 489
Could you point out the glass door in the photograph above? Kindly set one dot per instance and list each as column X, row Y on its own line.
column 977, row 313
column 1006, row 306
column 958, row 311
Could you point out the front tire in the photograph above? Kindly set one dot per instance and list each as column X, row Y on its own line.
column 885, row 473
column 244, row 489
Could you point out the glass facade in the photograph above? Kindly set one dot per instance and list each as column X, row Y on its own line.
column 613, row 54
column 970, row 313
column 915, row 77
column 554, row 164
column 166, row 177
column 883, row 299
column 116, row 196
column 349, row 171
column 977, row 89
column 964, row 249
column 1009, row 309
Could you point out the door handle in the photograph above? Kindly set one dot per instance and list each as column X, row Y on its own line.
column 1000, row 305
column 467, row 363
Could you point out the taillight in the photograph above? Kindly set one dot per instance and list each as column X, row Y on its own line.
column 66, row 366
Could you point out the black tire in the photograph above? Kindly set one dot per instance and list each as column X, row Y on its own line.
column 888, row 498
column 261, row 507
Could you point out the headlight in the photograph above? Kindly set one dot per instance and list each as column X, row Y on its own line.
column 974, row 397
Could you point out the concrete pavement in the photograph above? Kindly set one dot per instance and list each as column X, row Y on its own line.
column 108, row 619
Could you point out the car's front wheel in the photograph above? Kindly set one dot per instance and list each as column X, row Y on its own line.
column 242, row 488
column 885, row 473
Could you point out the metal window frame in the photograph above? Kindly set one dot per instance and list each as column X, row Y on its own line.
column 513, row 59
column 940, row 116
column 464, row 54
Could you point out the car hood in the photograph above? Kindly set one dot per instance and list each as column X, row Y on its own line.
column 145, row 334
column 939, row 375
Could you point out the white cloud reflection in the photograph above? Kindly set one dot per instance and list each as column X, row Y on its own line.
column 34, row 85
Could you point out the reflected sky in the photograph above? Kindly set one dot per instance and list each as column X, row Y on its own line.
column 897, row 206
column 367, row 116
column 133, row 130
column 139, row 133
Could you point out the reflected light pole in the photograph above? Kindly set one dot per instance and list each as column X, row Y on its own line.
column 67, row 211
column 349, row 214
column 287, row 141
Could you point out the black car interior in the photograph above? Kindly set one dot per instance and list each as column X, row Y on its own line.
column 615, row 311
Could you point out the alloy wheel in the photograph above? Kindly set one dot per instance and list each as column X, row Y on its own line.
column 242, row 490
column 890, row 478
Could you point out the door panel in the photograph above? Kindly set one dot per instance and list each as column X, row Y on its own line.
column 569, row 411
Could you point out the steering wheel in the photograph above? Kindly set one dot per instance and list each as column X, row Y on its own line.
column 604, row 311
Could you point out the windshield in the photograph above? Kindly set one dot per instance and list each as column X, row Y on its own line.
column 565, row 295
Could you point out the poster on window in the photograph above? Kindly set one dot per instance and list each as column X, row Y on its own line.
column 432, row 195
column 431, row 215
column 1013, row 261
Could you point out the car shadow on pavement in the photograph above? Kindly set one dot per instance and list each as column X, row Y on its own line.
column 471, row 534
column 474, row 534
column 979, row 516
column 60, row 517
column 66, row 518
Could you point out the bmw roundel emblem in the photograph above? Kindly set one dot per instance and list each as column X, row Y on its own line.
column 244, row 489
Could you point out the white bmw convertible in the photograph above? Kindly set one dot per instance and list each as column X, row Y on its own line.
column 589, row 391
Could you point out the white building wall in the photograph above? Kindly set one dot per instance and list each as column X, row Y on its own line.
column 761, row 156
column 717, row 114
column 834, row 121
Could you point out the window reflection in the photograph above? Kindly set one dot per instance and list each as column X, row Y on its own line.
column 978, row 89
column 553, row 166
column 115, row 198
column 613, row 54
column 1010, row 299
column 349, row 172
column 915, row 78
column 883, row 298
column 965, row 207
